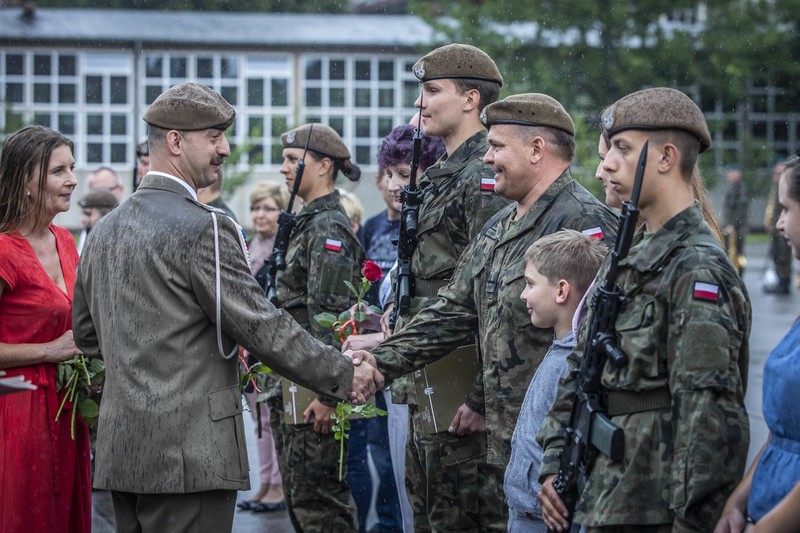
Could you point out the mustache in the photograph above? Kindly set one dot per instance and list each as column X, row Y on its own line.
column 217, row 160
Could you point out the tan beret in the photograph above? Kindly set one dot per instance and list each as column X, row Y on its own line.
column 190, row 107
column 457, row 61
column 99, row 199
column 660, row 108
column 324, row 140
column 530, row 109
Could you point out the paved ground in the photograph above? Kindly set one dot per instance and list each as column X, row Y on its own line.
column 772, row 317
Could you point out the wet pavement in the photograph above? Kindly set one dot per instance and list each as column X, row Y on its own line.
column 772, row 317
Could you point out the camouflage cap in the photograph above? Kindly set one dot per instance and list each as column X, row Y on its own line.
column 190, row 107
column 457, row 61
column 324, row 140
column 530, row 109
column 659, row 108
column 99, row 199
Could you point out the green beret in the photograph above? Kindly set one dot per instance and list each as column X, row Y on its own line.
column 531, row 109
column 457, row 61
column 324, row 140
column 660, row 108
column 190, row 107
column 99, row 199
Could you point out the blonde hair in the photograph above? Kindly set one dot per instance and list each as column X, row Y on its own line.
column 568, row 255
column 352, row 207
column 270, row 189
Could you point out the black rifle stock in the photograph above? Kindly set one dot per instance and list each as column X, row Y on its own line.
column 590, row 430
column 286, row 223
column 411, row 196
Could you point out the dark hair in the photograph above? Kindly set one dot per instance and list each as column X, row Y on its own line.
column 22, row 152
column 489, row 90
column 396, row 148
column 559, row 141
column 350, row 170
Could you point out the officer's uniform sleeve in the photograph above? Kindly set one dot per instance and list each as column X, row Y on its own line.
column 707, row 340
column 334, row 256
column 83, row 329
column 435, row 331
column 248, row 319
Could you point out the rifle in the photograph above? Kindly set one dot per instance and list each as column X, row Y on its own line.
column 286, row 223
column 411, row 196
column 590, row 430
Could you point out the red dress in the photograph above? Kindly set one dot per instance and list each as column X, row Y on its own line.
column 45, row 484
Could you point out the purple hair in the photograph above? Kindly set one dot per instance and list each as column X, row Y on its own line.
column 396, row 148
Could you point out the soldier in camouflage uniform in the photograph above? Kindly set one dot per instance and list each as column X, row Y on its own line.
column 532, row 143
column 323, row 252
column 684, row 327
column 457, row 202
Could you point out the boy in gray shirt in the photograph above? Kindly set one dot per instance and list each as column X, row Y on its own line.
column 559, row 268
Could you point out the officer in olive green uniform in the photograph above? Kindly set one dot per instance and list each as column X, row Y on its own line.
column 684, row 326
column 458, row 200
column 484, row 291
column 323, row 253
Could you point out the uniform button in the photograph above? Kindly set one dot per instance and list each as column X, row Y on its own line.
column 335, row 388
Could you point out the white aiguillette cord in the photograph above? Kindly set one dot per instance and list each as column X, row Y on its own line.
column 218, row 304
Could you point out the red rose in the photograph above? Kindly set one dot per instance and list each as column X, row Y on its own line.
column 371, row 271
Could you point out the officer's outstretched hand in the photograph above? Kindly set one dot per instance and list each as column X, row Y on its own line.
column 366, row 378
column 554, row 511
column 467, row 422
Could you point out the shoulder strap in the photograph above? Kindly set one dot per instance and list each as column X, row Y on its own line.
column 217, row 301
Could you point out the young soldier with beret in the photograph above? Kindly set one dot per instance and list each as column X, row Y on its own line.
column 684, row 326
column 171, row 442
column 531, row 144
column 458, row 81
column 323, row 253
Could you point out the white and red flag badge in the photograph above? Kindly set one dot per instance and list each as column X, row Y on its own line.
column 708, row 292
column 487, row 184
column 595, row 232
column 333, row 245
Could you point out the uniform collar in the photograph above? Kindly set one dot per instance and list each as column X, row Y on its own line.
column 162, row 180
column 473, row 148
column 647, row 256
column 329, row 201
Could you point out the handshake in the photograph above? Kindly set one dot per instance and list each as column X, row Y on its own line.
column 366, row 378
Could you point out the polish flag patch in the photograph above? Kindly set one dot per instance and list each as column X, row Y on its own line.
column 487, row 184
column 595, row 232
column 708, row 292
column 333, row 245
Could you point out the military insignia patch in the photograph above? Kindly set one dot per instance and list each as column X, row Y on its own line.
column 290, row 137
column 333, row 245
column 595, row 232
column 708, row 292
column 419, row 70
column 608, row 117
column 487, row 184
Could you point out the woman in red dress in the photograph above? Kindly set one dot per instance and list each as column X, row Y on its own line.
column 45, row 484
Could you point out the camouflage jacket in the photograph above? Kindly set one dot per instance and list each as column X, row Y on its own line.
column 454, row 209
column 323, row 252
column 484, row 295
column 684, row 327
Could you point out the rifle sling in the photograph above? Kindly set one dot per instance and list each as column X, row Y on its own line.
column 428, row 288
column 629, row 402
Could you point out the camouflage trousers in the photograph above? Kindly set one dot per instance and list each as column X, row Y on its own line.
column 659, row 528
column 450, row 485
column 317, row 501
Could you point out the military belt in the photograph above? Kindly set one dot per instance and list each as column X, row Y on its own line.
column 629, row 402
column 428, row 288
column 300, row 314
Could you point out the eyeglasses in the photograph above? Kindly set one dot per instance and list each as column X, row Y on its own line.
column 256, row 209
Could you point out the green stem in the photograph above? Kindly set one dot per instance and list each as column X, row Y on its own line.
column 66, row 395
column 85, row 371
column 341, row 456
column 72, row 421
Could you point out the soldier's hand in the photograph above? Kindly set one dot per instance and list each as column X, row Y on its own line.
column 387, row 331
column 554, row 511
column 467, row 422
column 366, row 341
column 366, row 378
column 372, row 321
column 361, row 356
column 322, row 416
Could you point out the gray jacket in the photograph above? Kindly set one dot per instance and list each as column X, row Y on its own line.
column 145, row 300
